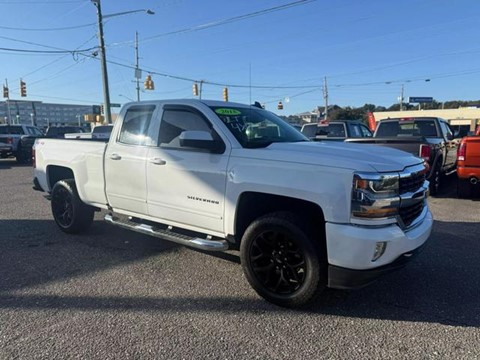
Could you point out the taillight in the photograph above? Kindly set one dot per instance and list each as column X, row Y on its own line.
column 462, row 152
column 9, row 140
column 34, row 163
column 425, row 152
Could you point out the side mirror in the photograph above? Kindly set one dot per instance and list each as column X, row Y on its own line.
column 200, row 140
column 449, row 136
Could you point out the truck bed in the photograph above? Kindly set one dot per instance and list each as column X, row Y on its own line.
column 84, row 157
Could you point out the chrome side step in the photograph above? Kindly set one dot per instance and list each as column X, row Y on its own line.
column 195, row 242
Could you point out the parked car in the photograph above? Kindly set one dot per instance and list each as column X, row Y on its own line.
column 17, row 141
column 468, row 165
column 58, row 132
column 337, row 130
column 218, row 175
column 429, row 138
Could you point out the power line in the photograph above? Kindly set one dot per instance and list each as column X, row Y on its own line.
column 48, row 29
column 221, row 22
column 29, row 51
column 15, row 2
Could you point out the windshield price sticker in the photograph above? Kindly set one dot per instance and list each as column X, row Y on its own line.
column 228, row 112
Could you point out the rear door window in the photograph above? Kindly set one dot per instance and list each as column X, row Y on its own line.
column 135, row 125
column 336, row 130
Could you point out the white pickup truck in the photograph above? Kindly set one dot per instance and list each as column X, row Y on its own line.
column 217, row 175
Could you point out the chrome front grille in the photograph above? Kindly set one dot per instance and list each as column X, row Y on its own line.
column 413, row 191
column 409, row 213
column 411, row 183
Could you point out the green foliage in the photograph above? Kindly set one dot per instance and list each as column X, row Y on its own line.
column 336, row 112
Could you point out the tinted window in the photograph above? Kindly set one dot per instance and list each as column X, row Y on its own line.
column 135, row 125
column 309, row 130
column 460, row 130
column 174, row 122
column 365, row 131
column 336, row 130
column 13, row 130
column 408, row 128
column 102, row 129
column 445, row 129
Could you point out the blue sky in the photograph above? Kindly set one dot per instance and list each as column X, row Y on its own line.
column 366, row 49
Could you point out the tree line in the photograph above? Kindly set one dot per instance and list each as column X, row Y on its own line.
column 336, row 112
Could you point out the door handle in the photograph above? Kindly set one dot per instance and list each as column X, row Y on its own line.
column 157, row 161
column 115, row 156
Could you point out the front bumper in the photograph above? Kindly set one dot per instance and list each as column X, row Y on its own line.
column 342, row 278
column 351, row 249
column 6, row 149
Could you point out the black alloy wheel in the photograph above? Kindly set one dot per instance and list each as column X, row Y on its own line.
column 436, row 180
column 277, row 262
column 71, row 214
column 62, row 207
column 282, row 261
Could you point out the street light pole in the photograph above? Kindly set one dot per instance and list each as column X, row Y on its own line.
column 138, row 72
column 103, row 60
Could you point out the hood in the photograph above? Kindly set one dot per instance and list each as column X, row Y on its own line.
column 359, row 157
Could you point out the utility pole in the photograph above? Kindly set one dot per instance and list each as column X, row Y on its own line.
column 9, row 122
column 34, row 114
column 138, row 72
column 325, row 96
column 103, row 60
column 400, row 99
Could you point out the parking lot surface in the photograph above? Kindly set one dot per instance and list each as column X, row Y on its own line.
column 114, row 294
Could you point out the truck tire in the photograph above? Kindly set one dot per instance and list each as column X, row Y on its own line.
column 436, row 179
column 464, row 188
column 281, row 261
column 71, row 214
column 23, row 156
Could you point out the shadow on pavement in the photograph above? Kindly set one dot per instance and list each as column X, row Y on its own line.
column 442, row 285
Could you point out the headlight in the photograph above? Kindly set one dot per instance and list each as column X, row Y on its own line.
column 375, row 195
column 381, row 184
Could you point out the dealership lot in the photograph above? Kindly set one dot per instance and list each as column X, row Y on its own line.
column 113, row 294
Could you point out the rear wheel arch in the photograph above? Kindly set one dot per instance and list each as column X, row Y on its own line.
column 56, row 173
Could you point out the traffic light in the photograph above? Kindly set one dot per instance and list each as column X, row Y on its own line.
column 148, row 83
column 5, row 91
column 23, row 88
column 195, row 89
column 102, row 109
column 280, row 105
column 225, row 94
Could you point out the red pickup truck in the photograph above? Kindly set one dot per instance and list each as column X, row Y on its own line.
column 468, row 164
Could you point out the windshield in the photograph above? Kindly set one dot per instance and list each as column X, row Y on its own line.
column 254, row 127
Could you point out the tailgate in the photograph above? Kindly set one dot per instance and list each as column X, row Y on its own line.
column 472, row 158
column 410, row 144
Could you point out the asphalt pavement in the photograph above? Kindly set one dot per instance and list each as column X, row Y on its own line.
column 114, row 294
